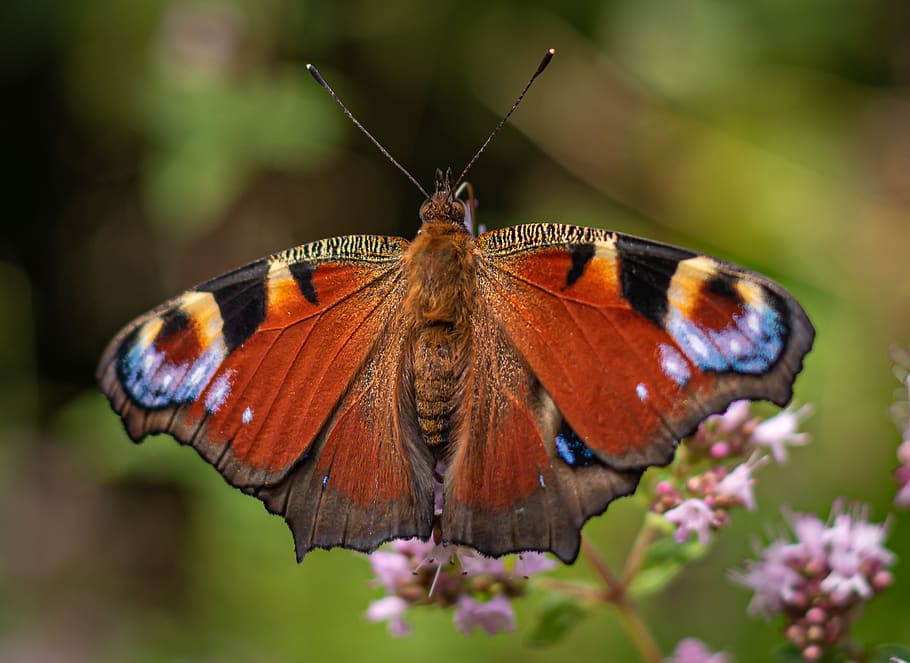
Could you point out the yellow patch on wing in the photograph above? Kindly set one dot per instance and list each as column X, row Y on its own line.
column 148, row 332
column 282, row 292
column 751, row 293
column 687, row 282
column 605, row 261
column 204, row 314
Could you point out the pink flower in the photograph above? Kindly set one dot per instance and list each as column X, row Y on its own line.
column 846, row 577
column 902, row 476
column 474, row 563
column 693, row 515
column 773, row 580
column 390, row 568
column 736, row 414
column 820, row 579
column 492, row 616
column 390, row 609
column 421, row 573
column 811, row 537
column 738, row 484
column 852, row 532
column 693, row 650
column 779, row 432
column 709, row 471
column 529, row 563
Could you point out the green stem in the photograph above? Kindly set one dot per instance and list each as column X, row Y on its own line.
column 615, row 589
column 638, row 631
column 616, row 594
column 636, row 556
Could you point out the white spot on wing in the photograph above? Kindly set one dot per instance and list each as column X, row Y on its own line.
column 753, row 322
column 219, row 392
column 247, row 415
column 698, row 346
column 673, row 365
column 642, row 391
column 149, row 358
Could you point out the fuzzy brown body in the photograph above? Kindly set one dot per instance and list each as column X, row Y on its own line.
column 439, row 270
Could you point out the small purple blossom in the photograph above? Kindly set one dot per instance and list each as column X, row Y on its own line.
column 819, row 580
column 779, row 432
column 725, row 435
column 414, row 572
column 390, row 609
column 716, row 471
column 902, row 476
column 693, row 515
column 734, row 417
column 492, row 616
column 529, row 563
column 693, row 650
column 474, row 564
column 737, row 485
column 774, row 581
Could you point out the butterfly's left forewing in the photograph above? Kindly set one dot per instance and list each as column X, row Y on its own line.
column 623, row 346
column 285, row 375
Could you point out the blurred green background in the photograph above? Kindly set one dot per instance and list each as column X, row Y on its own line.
column 151, row 144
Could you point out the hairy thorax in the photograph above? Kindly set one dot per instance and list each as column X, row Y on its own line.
column 440, row 274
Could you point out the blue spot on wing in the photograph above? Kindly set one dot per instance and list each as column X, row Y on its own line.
column 572, row 450
column 155, row 382
column 751, row 343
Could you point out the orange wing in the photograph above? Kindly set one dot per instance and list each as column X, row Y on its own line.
column 268, row 369
column 606, row 350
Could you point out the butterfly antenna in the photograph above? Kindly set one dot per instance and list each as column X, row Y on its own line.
column 543, row 65
column 314, row 72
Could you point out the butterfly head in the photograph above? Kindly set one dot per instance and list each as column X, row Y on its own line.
column 442, row 206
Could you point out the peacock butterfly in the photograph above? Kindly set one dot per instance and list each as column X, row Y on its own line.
column 543, row 366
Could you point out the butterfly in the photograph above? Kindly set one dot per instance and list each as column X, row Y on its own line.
column 533, row 373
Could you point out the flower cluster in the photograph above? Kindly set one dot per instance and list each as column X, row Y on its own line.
column 901, row 412
column 820, row 581
column 700, row 502
column 902, row 476
column 415, row 572
column 693, row 650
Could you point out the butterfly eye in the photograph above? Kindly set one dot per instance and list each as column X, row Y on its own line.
column 458, row 211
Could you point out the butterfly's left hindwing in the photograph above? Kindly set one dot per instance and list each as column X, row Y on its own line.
column 268, row 369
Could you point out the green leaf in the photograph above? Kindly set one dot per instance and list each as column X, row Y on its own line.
column 556, row 617
column 664, row 559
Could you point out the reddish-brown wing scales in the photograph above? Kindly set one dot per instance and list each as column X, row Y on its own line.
column 539, row 368
column 638, row 341
column 274, row 365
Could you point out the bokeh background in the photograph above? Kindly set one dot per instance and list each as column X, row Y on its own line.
column 151, row 144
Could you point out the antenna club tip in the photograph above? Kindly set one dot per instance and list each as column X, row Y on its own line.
column 314, row 72
column 544, row 62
